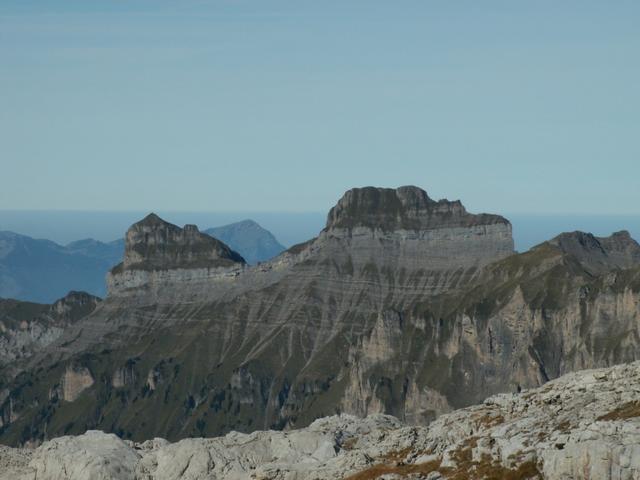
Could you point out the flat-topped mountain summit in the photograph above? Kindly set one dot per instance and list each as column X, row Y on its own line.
column 403, row 208
column 401, row 305
column 430, row 246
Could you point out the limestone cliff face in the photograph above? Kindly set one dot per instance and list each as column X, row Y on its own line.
column 75, row 381
column 404, row 229
column 402, row 305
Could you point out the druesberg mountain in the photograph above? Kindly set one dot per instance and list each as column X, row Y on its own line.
column 402, row 305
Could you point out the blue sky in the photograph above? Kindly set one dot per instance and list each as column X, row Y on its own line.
column 511, row 106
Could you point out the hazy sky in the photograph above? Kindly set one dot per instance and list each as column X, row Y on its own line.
column 528, row 106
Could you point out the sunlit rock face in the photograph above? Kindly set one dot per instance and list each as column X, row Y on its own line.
column 437, row 244
column 75, row 381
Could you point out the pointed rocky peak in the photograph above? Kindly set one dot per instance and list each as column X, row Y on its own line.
column 151, row 220
column 403, row 208
column 574, row 242
column 154, row 244
column 620, row 241
column 600, row 254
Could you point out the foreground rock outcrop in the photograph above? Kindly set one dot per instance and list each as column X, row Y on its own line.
column 583, row 425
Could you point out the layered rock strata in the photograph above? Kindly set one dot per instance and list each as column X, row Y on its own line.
column 160, row 253
column 402, row 305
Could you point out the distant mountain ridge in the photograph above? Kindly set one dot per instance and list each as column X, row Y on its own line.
column 253, row 242
column 40, row 270
column 43, row 271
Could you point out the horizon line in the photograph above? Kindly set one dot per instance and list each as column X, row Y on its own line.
column 288, row 212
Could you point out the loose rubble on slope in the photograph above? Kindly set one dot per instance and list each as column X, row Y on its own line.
column 582, row 425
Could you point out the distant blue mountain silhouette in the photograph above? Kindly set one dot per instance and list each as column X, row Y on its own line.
column 43, row 271
column 249, row 239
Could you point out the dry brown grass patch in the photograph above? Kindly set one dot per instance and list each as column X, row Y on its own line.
column 564, row 426
column 487, row 468
column 350, row 443
column 396, row 456
column 377, row 471
column 624, row 412
column 488, row 420
column 466, row 468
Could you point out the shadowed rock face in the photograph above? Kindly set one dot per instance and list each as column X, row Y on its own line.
column 600, row 254
column 434, row 313
column 153, row 244
column 404, row 208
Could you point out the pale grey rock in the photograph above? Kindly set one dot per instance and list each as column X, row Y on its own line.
column 599, row 450
column 75, row 380
column 92, row 456
column 123, row 376
column 14, row 463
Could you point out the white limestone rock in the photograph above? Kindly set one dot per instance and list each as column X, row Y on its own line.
column 92, row 456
